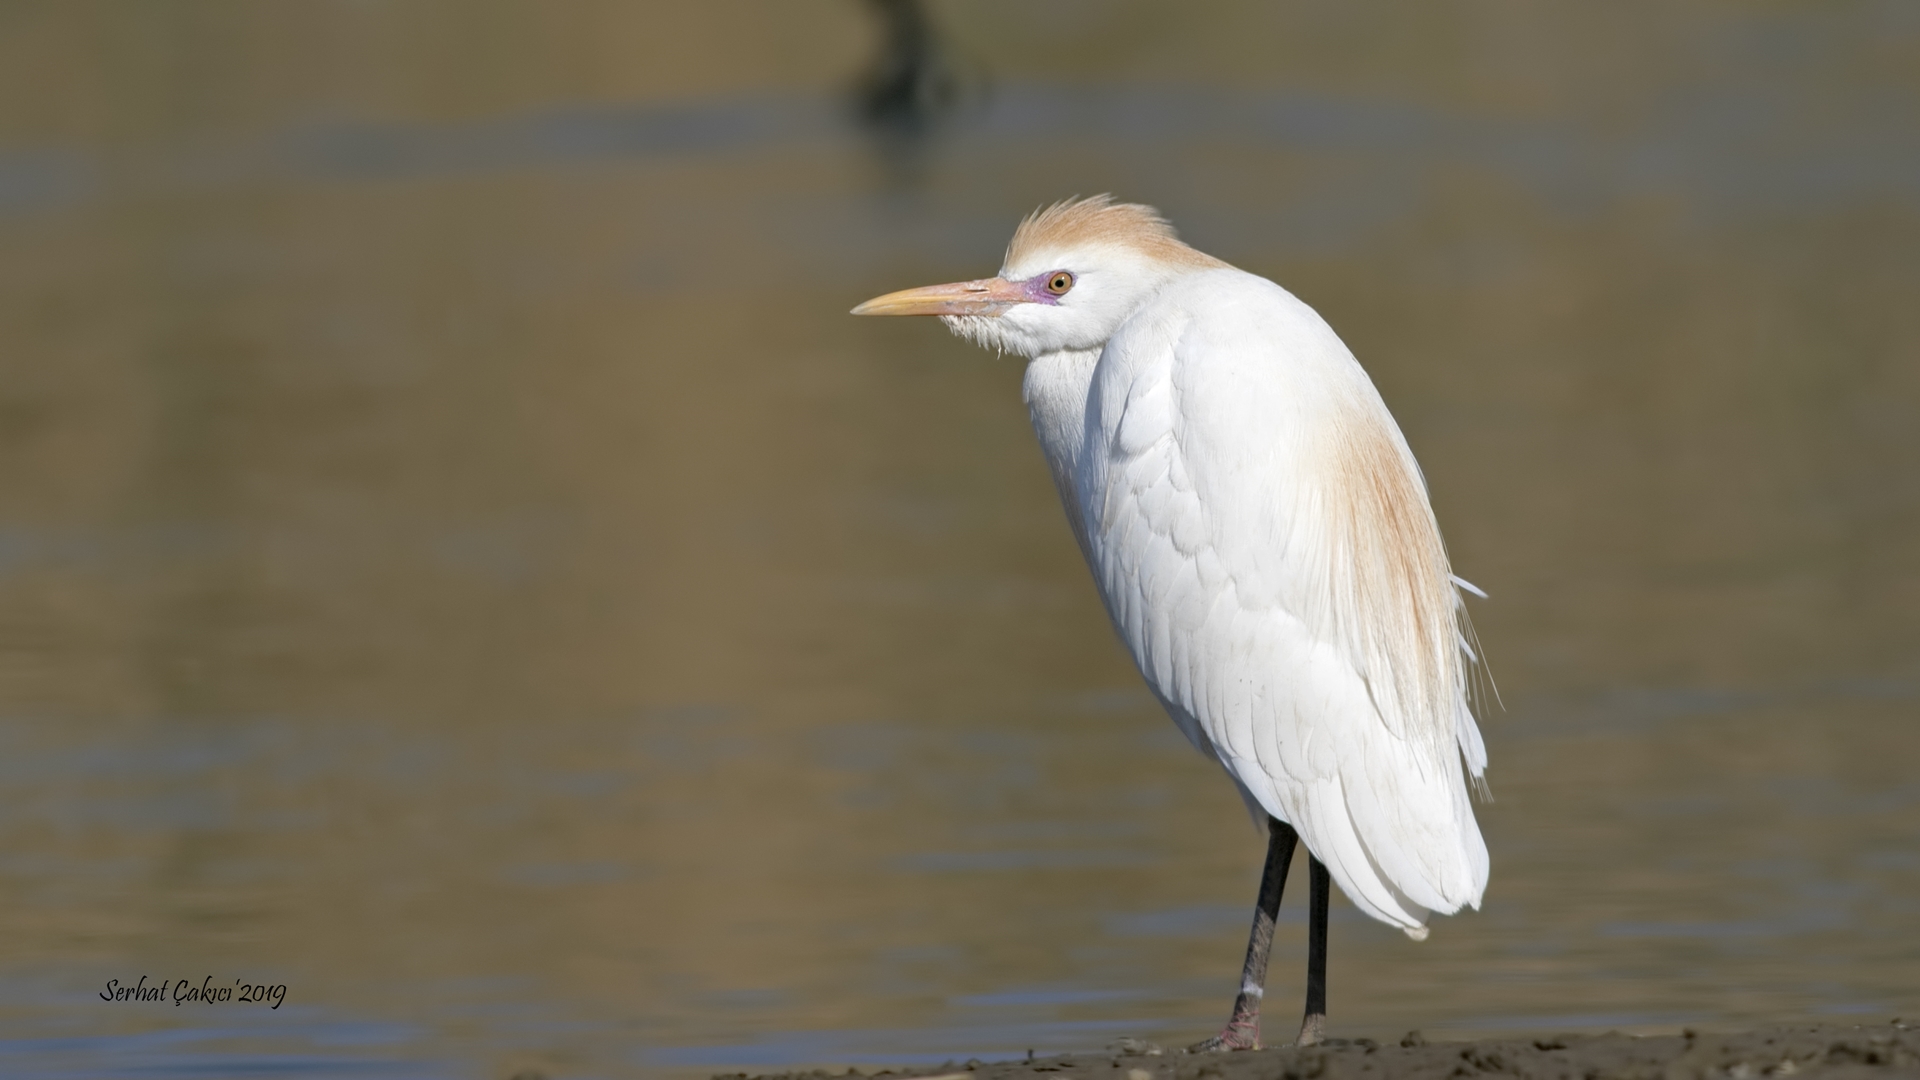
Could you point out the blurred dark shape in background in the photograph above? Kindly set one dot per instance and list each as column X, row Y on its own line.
column 913, row 86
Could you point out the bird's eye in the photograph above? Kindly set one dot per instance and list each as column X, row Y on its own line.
column 1059, row 283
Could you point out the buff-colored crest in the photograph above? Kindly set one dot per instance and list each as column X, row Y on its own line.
column 1099, row 221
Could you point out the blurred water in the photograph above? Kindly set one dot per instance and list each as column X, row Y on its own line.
column 459, row 561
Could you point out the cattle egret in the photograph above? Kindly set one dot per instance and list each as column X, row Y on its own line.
column 1262, row 539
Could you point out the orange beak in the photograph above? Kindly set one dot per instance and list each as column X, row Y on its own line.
column 988, row 296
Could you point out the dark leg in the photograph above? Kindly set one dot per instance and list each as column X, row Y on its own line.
column 1243, row 1031
column 1313, row 1026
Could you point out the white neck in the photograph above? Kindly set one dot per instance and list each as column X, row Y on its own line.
column 1056, row 389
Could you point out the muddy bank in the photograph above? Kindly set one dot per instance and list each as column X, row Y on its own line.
column 1799, row 1050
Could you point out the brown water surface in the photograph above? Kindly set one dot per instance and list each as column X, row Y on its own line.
column 458, row 559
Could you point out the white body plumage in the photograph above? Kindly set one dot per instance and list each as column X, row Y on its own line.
column 1261, row 536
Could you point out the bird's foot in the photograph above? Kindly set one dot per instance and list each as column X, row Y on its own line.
column 1241, row 1033
column 1312, row 1030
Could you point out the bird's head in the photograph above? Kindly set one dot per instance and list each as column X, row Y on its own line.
column 1073, row 273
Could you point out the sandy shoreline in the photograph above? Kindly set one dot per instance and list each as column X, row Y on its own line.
column 1824, row 1050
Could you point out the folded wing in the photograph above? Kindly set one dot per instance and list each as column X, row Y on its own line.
column 1263, row 540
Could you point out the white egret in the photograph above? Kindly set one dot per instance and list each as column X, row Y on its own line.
column 1263, row 541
